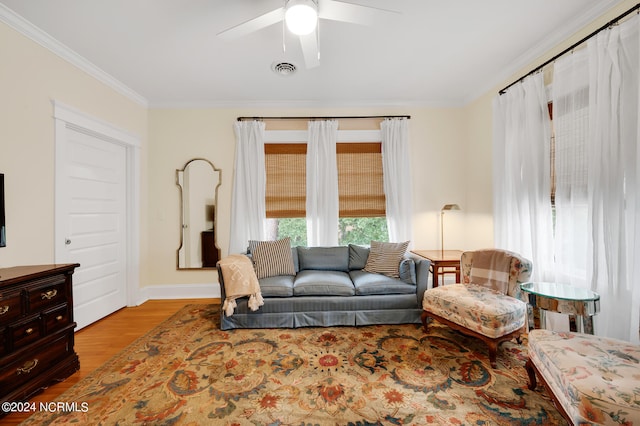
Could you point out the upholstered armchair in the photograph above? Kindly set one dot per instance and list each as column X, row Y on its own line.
column 488, row 304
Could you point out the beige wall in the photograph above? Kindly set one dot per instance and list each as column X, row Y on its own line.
column 31, row 77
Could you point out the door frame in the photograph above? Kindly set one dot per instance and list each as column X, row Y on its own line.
column 67, row 117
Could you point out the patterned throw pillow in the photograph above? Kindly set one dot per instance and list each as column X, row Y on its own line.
column 273, row 258
column 384, row 258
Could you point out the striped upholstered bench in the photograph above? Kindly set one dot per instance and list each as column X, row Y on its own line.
column 593, row 380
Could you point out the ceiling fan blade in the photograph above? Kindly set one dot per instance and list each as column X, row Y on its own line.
column 252, row 25
column 350, row 12
column 310, row 51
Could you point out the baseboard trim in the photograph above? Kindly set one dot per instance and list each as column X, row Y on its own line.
column 179, row 291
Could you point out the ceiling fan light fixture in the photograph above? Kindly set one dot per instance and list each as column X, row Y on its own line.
column 301, row 16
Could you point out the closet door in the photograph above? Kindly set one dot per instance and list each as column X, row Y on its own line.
column 91, row 184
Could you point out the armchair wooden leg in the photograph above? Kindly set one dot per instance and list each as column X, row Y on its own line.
column 532, row 374
column 493, row 353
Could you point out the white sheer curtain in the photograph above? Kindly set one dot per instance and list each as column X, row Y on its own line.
column 522, row 205
column 322, row 184
column 397, row 179
column 248, row 213
column 614, row 131
column 596, row 95
column 570, row 95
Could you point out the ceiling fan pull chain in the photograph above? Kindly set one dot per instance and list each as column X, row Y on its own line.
column 318, row 36
column 284, row 45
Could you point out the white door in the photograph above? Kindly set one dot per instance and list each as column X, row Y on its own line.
column 91, row 212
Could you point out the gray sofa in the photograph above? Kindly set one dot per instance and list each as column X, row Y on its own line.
column 330, row 288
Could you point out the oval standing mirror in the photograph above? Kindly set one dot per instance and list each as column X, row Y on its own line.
column 198, row 181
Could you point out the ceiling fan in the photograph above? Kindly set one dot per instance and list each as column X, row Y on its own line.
column 301, row 18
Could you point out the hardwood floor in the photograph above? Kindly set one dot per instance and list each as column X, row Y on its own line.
column 98, row 342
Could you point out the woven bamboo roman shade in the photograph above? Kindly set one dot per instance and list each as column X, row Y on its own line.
column 360, row 183
column 286, row 170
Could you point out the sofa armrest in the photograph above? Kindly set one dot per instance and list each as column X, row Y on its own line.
column 422, row 277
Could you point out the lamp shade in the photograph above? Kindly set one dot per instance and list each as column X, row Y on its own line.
column 301, row 16
column 447, row 207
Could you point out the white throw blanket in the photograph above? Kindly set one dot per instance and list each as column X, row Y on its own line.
column 239, row 280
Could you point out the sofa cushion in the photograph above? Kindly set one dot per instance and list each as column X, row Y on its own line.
column 367, row 283
column 273, row 258
column 322, row 283
column 278, row 286
column 384, row 258
column 358, row 256
column 324, row 258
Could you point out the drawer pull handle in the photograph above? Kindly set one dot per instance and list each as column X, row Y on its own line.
column 27, row 367
column 59, row 318
column 4, row 309
column 49, row 294
column 28, row 331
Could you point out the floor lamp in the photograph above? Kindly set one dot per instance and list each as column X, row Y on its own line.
column 446, row 207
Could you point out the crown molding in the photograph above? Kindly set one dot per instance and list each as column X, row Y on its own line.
column 433, row 103
column 37, row 35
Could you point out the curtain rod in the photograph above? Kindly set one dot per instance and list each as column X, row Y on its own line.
column 348, row 117
column 573, row 46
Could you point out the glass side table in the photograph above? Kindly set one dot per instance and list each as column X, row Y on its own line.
column 581, row 303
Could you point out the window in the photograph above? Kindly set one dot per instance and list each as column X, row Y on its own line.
column 286, row 170
column 361, row 193
column 285, row 165
column 569, row 116
column 360, row 187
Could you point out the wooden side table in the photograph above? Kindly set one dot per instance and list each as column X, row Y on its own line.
column 442, row 262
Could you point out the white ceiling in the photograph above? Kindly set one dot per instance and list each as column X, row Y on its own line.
column 165, row 53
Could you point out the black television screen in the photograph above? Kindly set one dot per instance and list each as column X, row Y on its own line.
column 3, row 234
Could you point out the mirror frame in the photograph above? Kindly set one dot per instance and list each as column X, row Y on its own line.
column 215, row 212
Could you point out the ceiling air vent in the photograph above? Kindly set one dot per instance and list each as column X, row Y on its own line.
column 283, row 68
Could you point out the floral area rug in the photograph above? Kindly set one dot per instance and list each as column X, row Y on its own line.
column 187, row 371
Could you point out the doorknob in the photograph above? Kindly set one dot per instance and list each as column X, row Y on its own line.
column 67, row 241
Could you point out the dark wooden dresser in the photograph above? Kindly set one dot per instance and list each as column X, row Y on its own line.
column 210, row 253
column 36, row 329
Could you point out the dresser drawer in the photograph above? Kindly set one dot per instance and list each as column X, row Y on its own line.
column 32, row 364
column 47, row 292
column 56, row 318
column 25, row 332
column 10, row 306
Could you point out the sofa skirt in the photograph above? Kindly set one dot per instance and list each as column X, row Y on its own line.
column 325, row 311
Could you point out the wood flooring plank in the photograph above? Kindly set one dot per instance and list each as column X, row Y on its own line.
column 100, row 341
